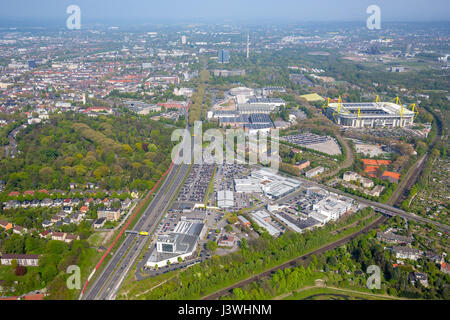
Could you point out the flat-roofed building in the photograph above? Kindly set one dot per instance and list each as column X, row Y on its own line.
column 26, row 260
column 177, row 245
column 225, row 199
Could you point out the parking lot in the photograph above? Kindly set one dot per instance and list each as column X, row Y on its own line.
column 196, row 184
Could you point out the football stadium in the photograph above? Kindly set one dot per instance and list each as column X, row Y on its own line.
column 371, row 114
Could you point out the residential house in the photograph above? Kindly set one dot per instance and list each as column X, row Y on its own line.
column 5, row 224
column 407, row 253
column 391, row 237
column 19, row 230
column 71, row 237
column 60, row 236
column 26, row 260
column 46, row 202
column 422, row 278
column 99, row 223
column 109, row 214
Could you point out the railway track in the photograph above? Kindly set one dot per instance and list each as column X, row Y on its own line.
column 294, row 262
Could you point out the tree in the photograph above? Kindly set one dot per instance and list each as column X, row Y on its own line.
column 20, row 271
column 244, row 244
column 211, row 245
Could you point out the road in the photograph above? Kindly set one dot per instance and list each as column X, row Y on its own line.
column 109, row 281
column 384, row 208
column 114, row 273
column 107, row 284
column 11, row 148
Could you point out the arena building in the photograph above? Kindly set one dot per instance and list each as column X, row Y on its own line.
column 370, row 114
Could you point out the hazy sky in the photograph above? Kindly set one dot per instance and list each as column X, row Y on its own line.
column 112, row 11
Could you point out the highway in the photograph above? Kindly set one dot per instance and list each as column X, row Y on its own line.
column 112, row 276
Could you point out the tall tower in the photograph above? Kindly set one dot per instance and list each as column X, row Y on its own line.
column 248, row 45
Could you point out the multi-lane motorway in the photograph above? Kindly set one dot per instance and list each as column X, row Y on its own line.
column 112, row 276
column 122, row 260
column 108, row 282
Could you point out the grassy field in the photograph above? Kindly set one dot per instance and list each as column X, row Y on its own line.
column 136, row 290
column 335, row 294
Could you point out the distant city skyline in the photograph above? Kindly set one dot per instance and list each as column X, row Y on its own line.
column 261, row 11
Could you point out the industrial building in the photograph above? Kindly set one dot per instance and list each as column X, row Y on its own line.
column 262, row 218
column 273, row 185
column 371, row 114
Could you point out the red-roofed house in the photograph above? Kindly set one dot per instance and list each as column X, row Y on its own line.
column 84, row 209
column 39, row 296
column 29, row 193
column 445, row 268
column 5, row 224
column 14, row 194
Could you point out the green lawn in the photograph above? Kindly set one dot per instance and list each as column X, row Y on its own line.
column 333, row 294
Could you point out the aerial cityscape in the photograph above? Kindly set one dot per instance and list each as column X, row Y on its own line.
column 197, row 155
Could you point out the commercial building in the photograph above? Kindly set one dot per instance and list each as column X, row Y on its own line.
column 247, row 185
column 244, row 222
column 273, row 185
column 314, row 172
column 179, row 244
column 225, row 199
column 253, row 108
column 370, row 114
column 330, row 208
column 302, row 164
column 228, row 73
column 224, row 56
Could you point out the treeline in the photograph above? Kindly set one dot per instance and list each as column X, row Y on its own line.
column 346, row 267
column 126, row 151
column 55, row 257
column 260, row 254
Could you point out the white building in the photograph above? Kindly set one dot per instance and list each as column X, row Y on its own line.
column 179, row 244
column 225, row 199
column 330, row 207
